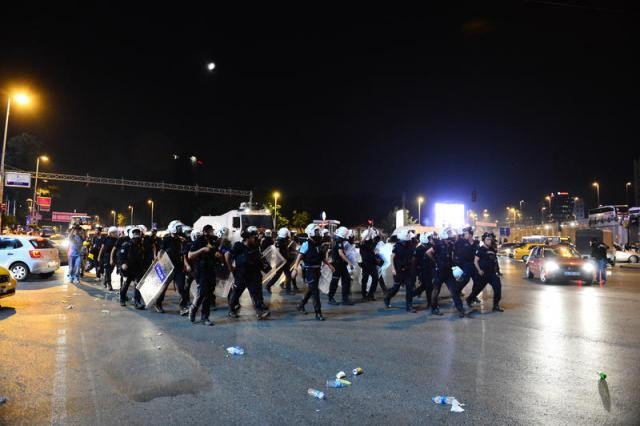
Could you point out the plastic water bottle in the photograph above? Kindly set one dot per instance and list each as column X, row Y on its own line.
column 338, row 383
column 235, row 350
column 316, row 393
column 443, row 400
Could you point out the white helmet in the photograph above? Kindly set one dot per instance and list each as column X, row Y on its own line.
column 132, row 229
column 267, row 232
column 350, row 234
column 311, row 229
column 449, row 232
column 127, row 230
column 324, row 232
column 457, row 272
column 187, row 230
column 424, row 237
column 142, row 229
column 367, row 234
column 405, row 235
column 283, row 233
column 222, row 232
column 112, row 229
column 173, row 226
column 252, row 230
column 195, row 235
column 342, row 232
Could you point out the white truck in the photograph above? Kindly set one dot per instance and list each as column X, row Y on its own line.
column 238, row 220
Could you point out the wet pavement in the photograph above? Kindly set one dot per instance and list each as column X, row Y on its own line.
column 536, row 363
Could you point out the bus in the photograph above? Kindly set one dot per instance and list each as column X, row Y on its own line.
column 607, row 215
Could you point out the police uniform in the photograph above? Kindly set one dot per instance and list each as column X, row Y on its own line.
column 108, row 243
column 96, row 243
column 341, row 273
column 369, row 269
column 403, row 252
column 189, row 277
column 284, row 246
column 172, row 245
column 266, row 243
column 423, row 270
column 150, row 248
column 488, row 262
column 132, row 255
column 443, row 274
column 205, row 273
column 312, row 258
column 379, row 244
column 247, row 275
column 119, row 243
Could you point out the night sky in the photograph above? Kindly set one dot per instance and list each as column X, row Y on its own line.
column 340, row 110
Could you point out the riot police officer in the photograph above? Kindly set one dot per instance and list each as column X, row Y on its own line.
column 464, row 253
column 340, row 262
column 94, row 250
column 172, row 245
column 368, row 265
column 423, row 267
column 441, row 253
column 105, row 256
column 312, row 255
column 486, row 264
column 267, row 240
column 246, row 264
column 204, row 253
column 131, row 256
column 286, row 247
column 401, row 270
column 150, row 246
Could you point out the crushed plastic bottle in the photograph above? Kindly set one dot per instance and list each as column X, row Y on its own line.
column 235, row 350
column 443, row 400
column 316, row 393
column 338, row 383
column 602, row 375
column 341, row 375
column 357, row 371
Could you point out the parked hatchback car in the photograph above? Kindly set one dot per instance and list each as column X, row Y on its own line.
column 622, row 255
column 7, row 283
column 558, row 263
column 24, row 255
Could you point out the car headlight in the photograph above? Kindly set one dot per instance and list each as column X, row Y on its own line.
column 551, row 266
column 588, row 267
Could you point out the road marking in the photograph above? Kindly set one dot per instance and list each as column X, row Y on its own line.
column 58, row 398
column 92, row 382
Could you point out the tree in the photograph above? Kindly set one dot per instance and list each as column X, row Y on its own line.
column 282, row 221
column 389, row 223
column 121, row 219
column 22, row 151
column 300, row 219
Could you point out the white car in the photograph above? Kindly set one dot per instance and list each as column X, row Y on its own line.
column 24, row 255
column 623, row 255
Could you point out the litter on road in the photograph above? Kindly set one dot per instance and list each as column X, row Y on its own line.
column 160, row 334
column 341, row 375
column 105, row 311
column 602, row 375
column 357, row 371
column 3, row 399
column 235, row 350
column 316, row 394
column 69, row 307
column 338, row 383
column 456, row 406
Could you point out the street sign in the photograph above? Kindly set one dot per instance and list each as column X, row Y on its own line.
column 44, row 202
column 45, row 208
column 505, row 232
column 18, row 180
column 64, row 217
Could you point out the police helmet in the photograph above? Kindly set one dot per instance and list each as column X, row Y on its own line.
column 186, row 230
column 135, row 232
column 449, row 232
column 424, row 237
column 405, row 235
column 457, row 273
column 468, row 229
column 283, row 233
column 222, row 232
column 311, row 230
column 342, row 232
column 251, row 231
column 112, row 229
column 267, row 232
column 127, row 230
column 143, row 229
column 488, row 235
column 174, row 226
column 195, row 235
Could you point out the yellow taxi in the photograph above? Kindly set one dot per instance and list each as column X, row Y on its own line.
column 522, row 251
column 7, row 283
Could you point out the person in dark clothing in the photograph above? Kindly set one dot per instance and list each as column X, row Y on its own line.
column 132, row 257
column 266, row 241
column 599, row 253
column 442, row 253
column 486, row 264
column 149, row 244
column 378, row 246
column 463, row 255
column 94, row 249
column 287, row 250
column 106, row 256
column 124, row 238
column 312, row 256
column 247, row 265
column 204, row 254
column 172, row 245
column 423, row 267
column 340, row 263
column 369, row 262
column 401, row 270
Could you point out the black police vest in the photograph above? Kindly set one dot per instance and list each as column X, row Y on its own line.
column 313, row 256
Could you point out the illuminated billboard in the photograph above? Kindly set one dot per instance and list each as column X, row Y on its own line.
column 448, row 214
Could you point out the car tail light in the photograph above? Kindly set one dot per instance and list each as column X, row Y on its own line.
column 35, row 254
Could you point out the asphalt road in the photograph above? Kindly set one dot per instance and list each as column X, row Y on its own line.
column 536, row 363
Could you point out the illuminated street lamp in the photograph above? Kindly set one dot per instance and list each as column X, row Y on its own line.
column 276, row 195
column 113, row 213
column 549, row 200
column 131, row 210
column 151, row 203
column 626, row 189
column 20, row 99
column 485, row 213
column 35, row 187
column 420, row 201
column 597, row 186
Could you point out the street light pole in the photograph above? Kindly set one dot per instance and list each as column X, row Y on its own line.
column 276, row 195
column 113, row 212
column 420, row 201
column 131, row 209
column 151, row 203
column 597, row 186
column 35, row 188
column 626, row 188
